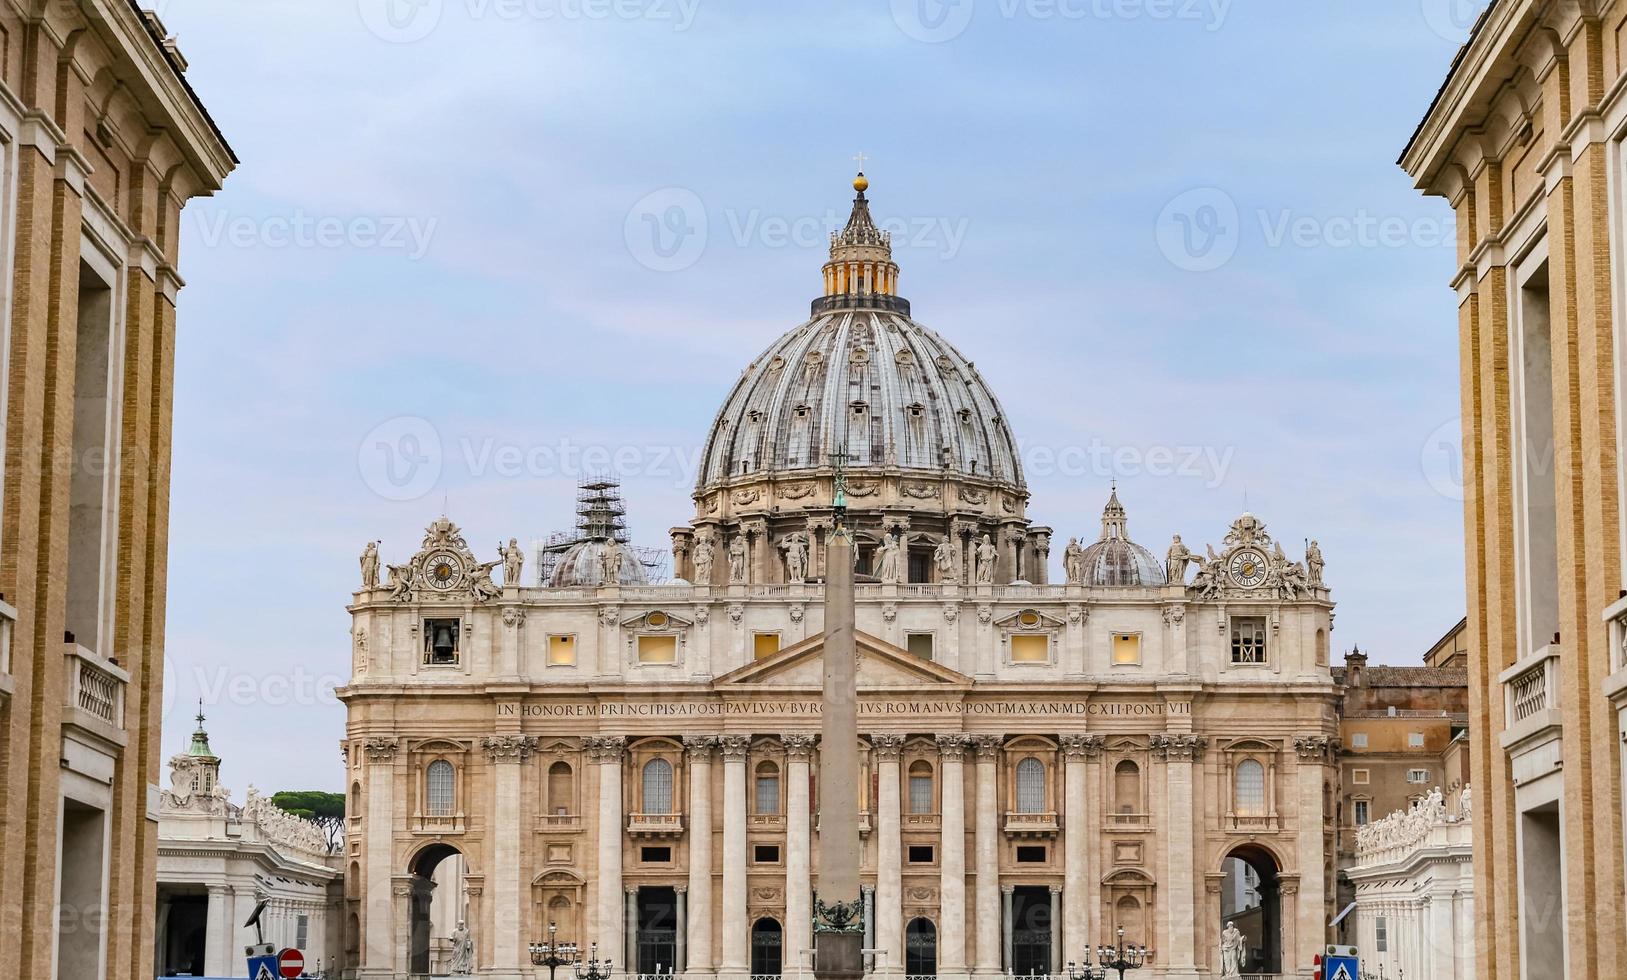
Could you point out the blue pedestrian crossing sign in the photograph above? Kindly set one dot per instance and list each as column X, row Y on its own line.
column 1341, row 965
column 262, row 963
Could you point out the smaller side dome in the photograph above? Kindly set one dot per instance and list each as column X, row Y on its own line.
column 1116, row 560
column 585, row 565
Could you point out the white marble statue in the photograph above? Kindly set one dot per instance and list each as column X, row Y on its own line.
column 737, row 559
column 370, row 565
column 463, row 952
column 943, row 557
column 400, row 581
column 1178, row 559
column 1314, row 564
column 703, row 560
column 796, row 559
column 888, row 567
column 480, row 582
column 986, row 557
column 1073, row 562
column 1233, row 949
column 513, row 561
column 610, row 563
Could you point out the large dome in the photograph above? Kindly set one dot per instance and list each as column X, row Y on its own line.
column 894, row 393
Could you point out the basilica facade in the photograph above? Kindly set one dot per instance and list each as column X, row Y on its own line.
column 1144, row 745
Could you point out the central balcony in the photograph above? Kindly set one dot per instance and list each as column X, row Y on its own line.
column 655, row 825
column 1031, row 825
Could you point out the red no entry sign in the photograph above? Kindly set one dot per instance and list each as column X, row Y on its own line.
column 291, row 963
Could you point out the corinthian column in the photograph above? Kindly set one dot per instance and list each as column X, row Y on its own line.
column 736, row 930
column 379, row 944
column 952, row 860
column 1313, row 753
column 988, row 857
column 506, row 753
column 798, row 855
column 1178, row 751
column 699, row 959
column 889, row 857
column 1075, row 842
column 606, row 751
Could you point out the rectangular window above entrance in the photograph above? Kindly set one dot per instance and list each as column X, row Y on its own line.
column 1248, row 640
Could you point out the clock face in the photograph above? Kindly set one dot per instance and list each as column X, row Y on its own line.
column 443, row 570
column 1248, row 568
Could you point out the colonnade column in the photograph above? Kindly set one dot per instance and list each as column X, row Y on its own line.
column 608, row 927
column 629, row 939
column 217, row 943
column 680, row 959
column 1008, row 924
column 380, row 923
column 1179, row 750
column 889, row 855
column 506, row 753
column 952, row 860
column 798, row 855
column 698, row 957
column 1056, row 929
column 1075, row 842
column 736, row 930
column 987, row 954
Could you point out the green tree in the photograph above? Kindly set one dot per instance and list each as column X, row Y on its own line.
column 326, row 810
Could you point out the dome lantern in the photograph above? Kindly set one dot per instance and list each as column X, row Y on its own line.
column 861, row 273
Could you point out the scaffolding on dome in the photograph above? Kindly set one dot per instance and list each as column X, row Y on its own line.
column 601, row 515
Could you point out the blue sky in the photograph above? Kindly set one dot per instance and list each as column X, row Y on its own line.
column 525, row 233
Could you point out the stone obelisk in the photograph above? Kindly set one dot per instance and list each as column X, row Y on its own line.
column 838, row 932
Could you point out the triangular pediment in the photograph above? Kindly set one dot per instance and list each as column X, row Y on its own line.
column 882, row 667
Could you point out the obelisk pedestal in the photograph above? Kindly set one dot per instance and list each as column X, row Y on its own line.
column 839, row 937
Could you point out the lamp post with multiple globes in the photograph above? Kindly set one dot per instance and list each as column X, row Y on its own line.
column 1121, row 957
column 594, row 968
column 554, row 954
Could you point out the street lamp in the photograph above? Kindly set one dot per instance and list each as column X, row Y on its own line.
column 554, row 954
column 594, row 969
column 1121, row 957
column 1083, row 971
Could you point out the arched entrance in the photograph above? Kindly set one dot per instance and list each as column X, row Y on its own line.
column 767, row 943
column 436, row 906
column 921, row 948
column 1250, row 898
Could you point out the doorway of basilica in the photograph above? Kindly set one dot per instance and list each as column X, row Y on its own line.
column 1031, row 931
column 657, row 933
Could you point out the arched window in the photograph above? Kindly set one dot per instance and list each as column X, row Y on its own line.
column 438, row 782
column 658, row 786
column 1250, row 788
column 1030, row 786
column 768, row 788
column 920, row 788
column 921, row 948
column 766, row 943
column 1127, row 787
column 560, row 791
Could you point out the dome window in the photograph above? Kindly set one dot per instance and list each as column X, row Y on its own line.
column 965, row 416
column 859, row 409
column 916, row 410
column 754, row 416
column 801, row 411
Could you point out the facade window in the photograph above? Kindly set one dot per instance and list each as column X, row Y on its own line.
column 1127, row 787
column 438, row 782
column 1361, row 777
column 920, row 854
column 1248, row 639
column 920, row 645
column 1415, row 740
column 921, row 786
column 561, row 651
column 1030, row 786
column 765, row 854
column 1363, row 812
column 1419, row 776
column 1250, row 777
column 1029, row 648
column 302, row 931
column 655, row 855
column 1031, row 854
column 560, row 789
column 1126, row 649
column 658, row 649
column 657, row 786
column 764, row 645
column 768, row 788
column 1381, row 927
column 1358, row 740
